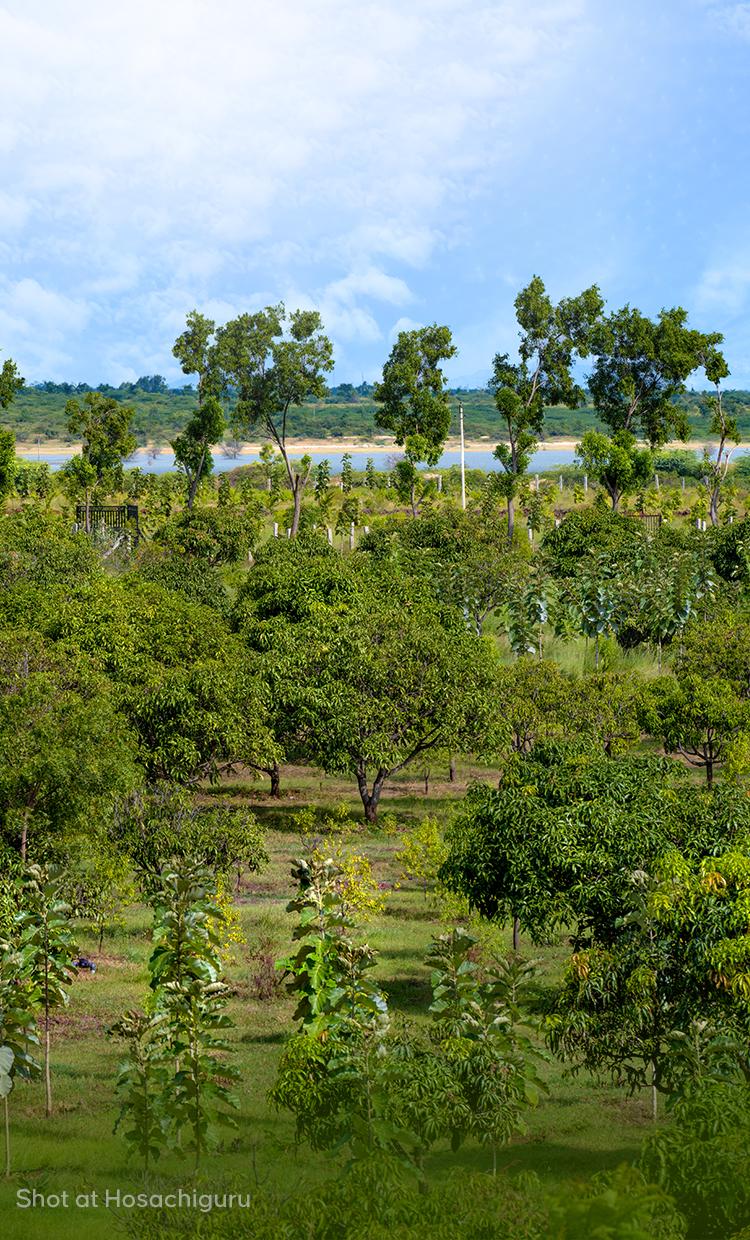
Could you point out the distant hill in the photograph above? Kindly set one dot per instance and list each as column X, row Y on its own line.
column 347, row 413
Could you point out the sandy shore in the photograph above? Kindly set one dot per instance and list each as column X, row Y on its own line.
column 297, row 447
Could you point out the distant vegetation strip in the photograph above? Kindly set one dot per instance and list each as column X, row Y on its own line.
column 347, row 413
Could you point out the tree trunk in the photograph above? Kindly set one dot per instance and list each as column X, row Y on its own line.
column 516, row 933
column 47, row 1082
column 275, row 774
column 370, row 799
column 24, row 832
column 194, row 483
column 452, row 772
column 298, row 485
column 709, row 772
column 511, row 523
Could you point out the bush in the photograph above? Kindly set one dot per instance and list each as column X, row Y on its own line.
column 591, row 530
column 703, row 1159
column 372, row 1202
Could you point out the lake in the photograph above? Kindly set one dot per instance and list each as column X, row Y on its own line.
column 164, row 462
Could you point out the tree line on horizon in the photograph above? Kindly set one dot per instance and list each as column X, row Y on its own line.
column 268, row 366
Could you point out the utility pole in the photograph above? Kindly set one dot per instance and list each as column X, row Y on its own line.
column 463, row 456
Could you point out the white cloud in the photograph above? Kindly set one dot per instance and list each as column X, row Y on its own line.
column 168, row 145
column 724, row 286
column 733, row 18
column 369, row 283
column 402, row 325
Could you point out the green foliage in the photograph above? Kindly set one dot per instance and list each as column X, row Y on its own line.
column 188, row 575
column 20, row 997
column 390, row 681
column 38, row 550
column 701, row 1159
column 617, row 463
column 696, row 717
column 412, row 394
column 550, row 336
column 212, row 535
column 45, row 942
column 64, row 750
column 159, row 825
column 169, row 1081
column 99, row 889
column 353, row 1077
column 421, row 854
column 640, row 369
column 555, row 843
column 185, row 686
column 271, row 375
column 328, row 971
column 192, row 449
column 8, row 464
column 630, row 1006
column 10, row 383
column 107, row 440
column 142, row 1084
column 588, row 531
column 197, row 355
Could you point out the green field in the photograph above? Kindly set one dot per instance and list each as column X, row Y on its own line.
column 583, row 1126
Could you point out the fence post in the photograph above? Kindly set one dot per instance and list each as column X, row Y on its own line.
column 585, row 483
column 351, row 536
column 561, row 482
column 275, row 529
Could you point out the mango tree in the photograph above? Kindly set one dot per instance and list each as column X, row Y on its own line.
column 391, row 681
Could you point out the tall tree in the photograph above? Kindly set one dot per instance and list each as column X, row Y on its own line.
column 414, row 400
column 550, row 337
column 724, row 426
column 10, row 383
column 107, row 440
column 198, row 356
column 640, row 370
column 271, row 373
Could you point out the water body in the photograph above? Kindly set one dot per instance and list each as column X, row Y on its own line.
column 164, row 462
column 547, row 458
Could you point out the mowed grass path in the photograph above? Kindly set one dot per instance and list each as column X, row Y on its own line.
column 582, row 1127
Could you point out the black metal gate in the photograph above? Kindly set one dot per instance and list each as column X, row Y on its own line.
column 120, row 517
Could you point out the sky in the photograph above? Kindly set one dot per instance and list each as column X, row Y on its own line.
column 390, row 164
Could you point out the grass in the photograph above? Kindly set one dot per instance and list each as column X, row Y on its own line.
column 584, row 1125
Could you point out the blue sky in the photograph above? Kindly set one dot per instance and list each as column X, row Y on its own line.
column 390, row 164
